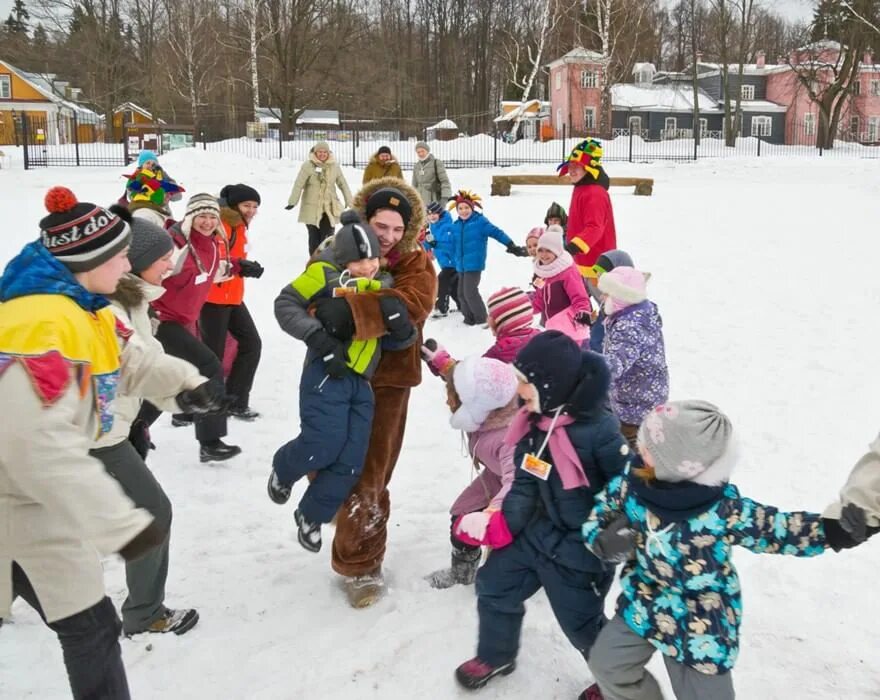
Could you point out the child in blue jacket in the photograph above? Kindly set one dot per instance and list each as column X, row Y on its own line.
column 471, row 232
column 439, row 239
column 568, row 447
column 676, row 520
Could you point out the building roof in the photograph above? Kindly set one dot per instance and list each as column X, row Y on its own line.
column 46, row 85
column 131, row 106
column 520, row 110
column 761, row 106
column 659, row 98
column 444, row 124
column 322, row 117
column 578, row 55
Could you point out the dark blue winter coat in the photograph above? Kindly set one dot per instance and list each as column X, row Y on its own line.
column 444, row 248
column 470, row 240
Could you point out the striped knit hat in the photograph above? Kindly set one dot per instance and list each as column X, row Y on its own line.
column 510, row 309
column 81, row 235
column 201, row 203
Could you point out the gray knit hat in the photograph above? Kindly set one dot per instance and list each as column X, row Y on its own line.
column 685, row 439
column 149, row 242
column 355, row 240
column 422, row 144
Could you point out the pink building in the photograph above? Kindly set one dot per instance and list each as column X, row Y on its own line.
column 576, row 81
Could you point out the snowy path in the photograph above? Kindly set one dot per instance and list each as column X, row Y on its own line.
column 766, row 275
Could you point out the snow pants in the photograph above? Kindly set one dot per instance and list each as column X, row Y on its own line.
column 318, row 234
column 214, row 323
column 469, row 300
column 361, row 524
column 145, row 577
column 618, row 662
column 514, row 574
column 335, row 420
column 447, row 287
column 89, row 642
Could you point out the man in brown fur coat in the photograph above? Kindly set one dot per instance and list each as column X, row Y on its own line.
column 396, row 213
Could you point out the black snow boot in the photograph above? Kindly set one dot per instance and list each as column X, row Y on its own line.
column 463, row 568
column 217, row 451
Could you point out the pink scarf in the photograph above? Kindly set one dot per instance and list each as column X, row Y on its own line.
column 562, row 452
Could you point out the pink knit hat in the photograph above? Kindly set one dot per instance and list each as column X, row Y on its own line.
column 509, row 309
column 553, row 240
column 624, row 286
column 535, row 233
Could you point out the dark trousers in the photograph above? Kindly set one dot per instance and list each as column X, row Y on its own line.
column 514, row 574
column 469, row 300
column 317, row 234
column 90, row 643
column 447, row 286
column 215, row 321
column 145, row 576
column 597, row 333
column 335, row 416
column 179, row 342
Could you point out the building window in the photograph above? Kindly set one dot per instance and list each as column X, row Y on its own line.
column 704, row 127
column 747, row 92
column 809, row 124
column 559, row 122
column 670, row 127
column 635, row 125
column 873, row 129
column 762, row 126
column 589, row 79
column 854, row 125
column 856, row 87
column 5, row 88
column 559, row 79
column 875, row 88
column 589, row 118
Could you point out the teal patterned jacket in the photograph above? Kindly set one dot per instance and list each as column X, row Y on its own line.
column 681, row 591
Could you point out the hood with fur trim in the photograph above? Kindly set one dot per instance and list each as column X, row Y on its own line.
column 231, row 217
column 410, row 240
column 132, row 291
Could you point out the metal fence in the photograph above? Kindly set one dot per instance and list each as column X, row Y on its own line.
column 75, row 141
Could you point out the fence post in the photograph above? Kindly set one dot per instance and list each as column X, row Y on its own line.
column 354, row 149
column 630, row 142
column 76, row 138
column 495, row 148
column 759, row 145
column 281, row 139
column 204, row 142
column 564, row 151
column 25, row 141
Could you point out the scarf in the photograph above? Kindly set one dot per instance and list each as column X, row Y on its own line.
column 561, row 264
column 562, row 452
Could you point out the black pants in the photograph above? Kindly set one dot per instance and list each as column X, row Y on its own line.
column 179, row 342
column 317, row 234
column 216, row 320
column 447, row 286
column 90, row 643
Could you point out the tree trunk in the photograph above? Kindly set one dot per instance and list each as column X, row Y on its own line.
column 695, row 78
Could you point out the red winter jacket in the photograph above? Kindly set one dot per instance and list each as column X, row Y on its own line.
column 590, row 225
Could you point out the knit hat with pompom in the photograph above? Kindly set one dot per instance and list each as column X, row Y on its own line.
column 81, row 235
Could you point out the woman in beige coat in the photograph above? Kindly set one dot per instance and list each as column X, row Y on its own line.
column 316, row 185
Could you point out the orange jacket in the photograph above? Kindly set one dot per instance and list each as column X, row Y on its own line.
column 231, row 292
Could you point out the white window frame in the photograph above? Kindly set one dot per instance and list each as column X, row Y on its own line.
column 591, row 111
column 5, row 80
column 762, row 125
column 875, row 88
column 856, row 87
column 747, row 92
column 637, row 121
column 704, row 127
column 589, row 79
column 670, row 133
column 855, row 123
column 873, row 132
column 558, row 78
column 809, row 124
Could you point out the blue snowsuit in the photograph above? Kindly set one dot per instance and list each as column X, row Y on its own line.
column 470, row 241
column 444, row 248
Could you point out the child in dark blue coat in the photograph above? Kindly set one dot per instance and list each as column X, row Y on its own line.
column 471, row 232
column 568, row 447
column 439, row 239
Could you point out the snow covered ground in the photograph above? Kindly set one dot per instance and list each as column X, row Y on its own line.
column 766, row 275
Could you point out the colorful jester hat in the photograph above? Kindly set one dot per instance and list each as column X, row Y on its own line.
column 588, row 153
column 472, row 199
column 150, row 186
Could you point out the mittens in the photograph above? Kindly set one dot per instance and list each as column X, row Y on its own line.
column 615, row 542
column 439, row 361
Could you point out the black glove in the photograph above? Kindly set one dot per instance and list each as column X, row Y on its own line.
column 396, row 318
column 430, row 240
column 331, row 350
column 150, row 537
column 206, row 398
column 615, row 542
column 585, row 318
column 139, row 437
column 289, row 207
column 334, row 313
column 517, row 250
column 850, row 531
column 573, row 248
column 250, row 268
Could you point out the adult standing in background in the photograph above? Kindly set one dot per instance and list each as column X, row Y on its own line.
column 382, row 164
column 429, row 177
column 316, row 185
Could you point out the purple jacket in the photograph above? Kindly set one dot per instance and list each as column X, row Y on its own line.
column 636, row 355
column 486, row 445
column 507, row 346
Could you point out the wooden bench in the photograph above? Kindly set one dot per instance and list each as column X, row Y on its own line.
column 501, row 184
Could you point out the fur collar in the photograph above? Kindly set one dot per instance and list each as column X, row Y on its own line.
column 313, row 159
column 231, row 217
column 410, row 240
column 132, row 291
column 375, row 161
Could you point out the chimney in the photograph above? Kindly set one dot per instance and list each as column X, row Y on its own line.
column 760, row 59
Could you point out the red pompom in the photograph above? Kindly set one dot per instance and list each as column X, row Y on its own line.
column 59, row 199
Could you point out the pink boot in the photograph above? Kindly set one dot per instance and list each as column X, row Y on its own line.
column 474, row 674
column 592, row 693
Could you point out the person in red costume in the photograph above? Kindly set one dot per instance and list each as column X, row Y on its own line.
column 590, row 230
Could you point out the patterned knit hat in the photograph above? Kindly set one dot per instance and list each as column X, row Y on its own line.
column 80, row 234
column 434, row 208
column 687, row 440
column 510, row 309
column 483, row 385
column 472, row 199
column 588, row 153
column 201, row 203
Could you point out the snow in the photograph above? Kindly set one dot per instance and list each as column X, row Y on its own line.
column 765, row 272
column 659, row 98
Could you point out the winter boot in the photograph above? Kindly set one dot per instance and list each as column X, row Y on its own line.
column 309, row 534
column 177, row 621
column 181, row 420
column 217, row 451
column 474, row 674
column 592, row 693
column 245, row 413
column 363, row 591
column 439, row 314
column 278, row 492
column 463, row 569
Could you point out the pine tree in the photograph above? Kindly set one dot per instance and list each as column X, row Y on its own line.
column 17, row 21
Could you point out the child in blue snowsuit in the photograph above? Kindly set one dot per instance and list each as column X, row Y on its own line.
column 676, row 521
column 471, row 232
column 439, row 239
column 568, row 447
column 336, row 401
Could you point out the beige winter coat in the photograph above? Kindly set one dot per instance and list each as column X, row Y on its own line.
column 168, row 375
column 316, row 184
column 862, row 487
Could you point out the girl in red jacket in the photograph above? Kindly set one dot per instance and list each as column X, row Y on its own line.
column 590, row 230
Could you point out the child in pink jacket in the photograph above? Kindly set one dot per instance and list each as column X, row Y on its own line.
column 510, row 320
column 481, row 393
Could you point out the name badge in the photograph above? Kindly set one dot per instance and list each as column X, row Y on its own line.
column 537, row 467
column 202, row 278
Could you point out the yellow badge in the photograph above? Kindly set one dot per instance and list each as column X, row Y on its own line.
column 537, row 466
